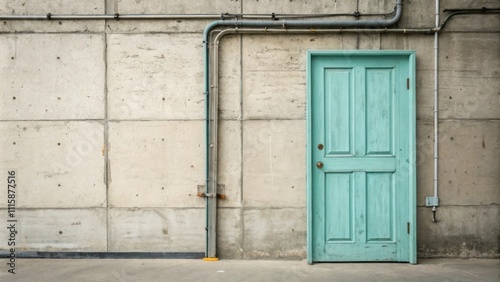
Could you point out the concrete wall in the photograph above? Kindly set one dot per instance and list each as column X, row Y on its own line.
column 103, row 122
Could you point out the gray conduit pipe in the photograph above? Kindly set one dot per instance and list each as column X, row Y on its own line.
column 270, row 16
column 436, row 115
column 50, row 16
column 211, row 111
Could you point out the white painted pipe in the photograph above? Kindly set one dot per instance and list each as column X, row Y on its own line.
column 436, row 109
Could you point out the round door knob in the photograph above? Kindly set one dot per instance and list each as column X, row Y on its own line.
column 319, row 164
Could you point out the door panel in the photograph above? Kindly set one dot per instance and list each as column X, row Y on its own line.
column 361, row 184
column 338, row 109
column 379, row 207
column 379, row 111
column 340, row 216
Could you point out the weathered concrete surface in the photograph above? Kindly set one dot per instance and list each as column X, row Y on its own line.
column 469, row 163
column 52, row 76
column 468, row 189
column 425, row 95
column 425, row 161
column 176, row 7
column 167, row 7
column 23, row 7
column 297, row 7
column 469, row 76
column 462, row 231
column 274, row 161
column 156, row 230
column 229, row 77
column 57, row 230
column 58, row 164
column 230, row 160
column 369, row 41
column 274, row 84
column 230, row 233
column 432, row 270
column 155, row 163
column 274, row 233
column 155, row 76
column 277, row 94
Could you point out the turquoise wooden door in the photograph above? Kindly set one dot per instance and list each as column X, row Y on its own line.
column 361, row 156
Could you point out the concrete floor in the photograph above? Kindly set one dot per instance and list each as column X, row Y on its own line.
column 244, row 270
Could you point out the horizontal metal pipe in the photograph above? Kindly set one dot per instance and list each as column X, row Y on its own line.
column 338, row 30
column 305, row 24
column 483, row 9
column 469, row 12
column 294, row 16
column 113, row 16
column 270, row 16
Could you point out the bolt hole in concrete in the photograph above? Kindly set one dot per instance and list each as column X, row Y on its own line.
column 12, row 58
column 14, row 143
column 60, row 232
column 14, row 98
column 58, row 144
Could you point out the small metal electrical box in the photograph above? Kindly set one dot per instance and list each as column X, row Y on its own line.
column 431, row 201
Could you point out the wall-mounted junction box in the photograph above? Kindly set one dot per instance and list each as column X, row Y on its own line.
column 431, row 201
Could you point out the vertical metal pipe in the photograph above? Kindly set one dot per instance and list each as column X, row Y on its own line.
column 210, row 181
column 214, row 134
column 206, row 93
column 436, row 109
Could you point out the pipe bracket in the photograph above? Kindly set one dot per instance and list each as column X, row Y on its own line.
column 201, row 192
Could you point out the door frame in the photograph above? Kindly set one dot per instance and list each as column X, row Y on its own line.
column 412, row 209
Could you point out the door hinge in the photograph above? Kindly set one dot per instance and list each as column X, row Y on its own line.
column 407, row 83
column 408, row 228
